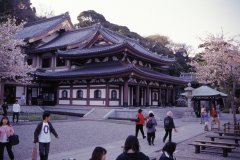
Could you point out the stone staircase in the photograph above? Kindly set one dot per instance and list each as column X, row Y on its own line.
column 97, row 113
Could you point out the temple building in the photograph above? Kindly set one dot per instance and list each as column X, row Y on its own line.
column 94, row 66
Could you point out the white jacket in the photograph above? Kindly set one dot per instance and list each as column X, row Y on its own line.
column 16, row 108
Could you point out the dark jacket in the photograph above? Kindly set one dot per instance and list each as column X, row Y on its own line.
column 170, row 123
column 5, row 107
column 133, row 156
column 165, row 157
column 39, row 129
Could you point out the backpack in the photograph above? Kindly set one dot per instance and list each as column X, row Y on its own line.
column 149, row 124
column 166, row 122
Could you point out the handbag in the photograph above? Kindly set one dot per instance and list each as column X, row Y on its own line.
column 137, row 120
column 13, row 140
column 34, row 152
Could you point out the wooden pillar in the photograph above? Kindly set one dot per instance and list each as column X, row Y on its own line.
column 174, row 96
column 147, row 95
column 167, row 97
column 54, row 61
column 120, row 95
column 143, row 96
column 71, row 94
column 137, row 95
column 88, row 93
column 125, row 93
column 107, row 94
column 159, row 96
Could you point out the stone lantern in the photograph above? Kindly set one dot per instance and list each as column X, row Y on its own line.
column 189, row 96
column 189, row 112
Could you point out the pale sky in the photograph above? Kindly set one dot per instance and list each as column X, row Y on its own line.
column 182, row 20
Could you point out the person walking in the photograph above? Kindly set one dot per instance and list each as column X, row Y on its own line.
column 5, row 108
column 6, row 130
column 131, row 150
column 42, row 135
column 140, row 123
column 99, row 153
column 16, row 110
column 168, row 126
column 214, row 115
column 151, row 129
column 202, row 111
column 205, row 119
column 168, row 150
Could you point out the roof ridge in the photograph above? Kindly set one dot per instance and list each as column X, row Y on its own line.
column 64, row 15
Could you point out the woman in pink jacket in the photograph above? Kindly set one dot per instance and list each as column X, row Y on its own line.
column 6, row 130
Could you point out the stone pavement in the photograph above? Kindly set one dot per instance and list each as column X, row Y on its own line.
column 186, row 130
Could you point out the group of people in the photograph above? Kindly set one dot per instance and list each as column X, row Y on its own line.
column 43, row 131
column 131, row 151
column 205, row 116
column 6, row 130
column 16, row 110
column 151, row 124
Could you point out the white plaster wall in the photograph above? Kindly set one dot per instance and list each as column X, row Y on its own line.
column 79, row 102
column 80, row 86
column 103, row 91
column 21, row 95
column 114, row 103
column 110, row 91
column 155, row 103
column 64, row 102
column 97, row 103
column 60, row 93
column 75, row 93
column 97, row 85
column 64, row 86
column 19, row 91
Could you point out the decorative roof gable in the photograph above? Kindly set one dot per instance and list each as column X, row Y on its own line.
column 39, row 29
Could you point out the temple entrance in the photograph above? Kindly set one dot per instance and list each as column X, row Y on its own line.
column 163, row 97
column 142, row 97
column 135, row 96
column 32, row 93
column 49, row 96
column 10, row 94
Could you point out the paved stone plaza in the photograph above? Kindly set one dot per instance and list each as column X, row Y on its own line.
column 78, row 137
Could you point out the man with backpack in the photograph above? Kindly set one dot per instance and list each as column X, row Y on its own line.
column 168, row 126
column 151, row 124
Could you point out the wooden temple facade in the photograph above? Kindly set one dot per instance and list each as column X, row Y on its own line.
column 95, row 66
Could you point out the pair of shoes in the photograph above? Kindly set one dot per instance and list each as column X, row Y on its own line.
column 149, row 143
column 144, row 137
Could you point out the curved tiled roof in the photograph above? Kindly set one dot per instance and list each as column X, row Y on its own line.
column 84, row 36
column 102, row 70
column 39, row 27
column 71, row 37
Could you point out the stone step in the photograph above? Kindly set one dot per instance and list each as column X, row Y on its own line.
column 97, row 113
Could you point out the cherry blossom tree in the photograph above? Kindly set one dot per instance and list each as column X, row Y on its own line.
column 12, row 65
column 220, row 61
